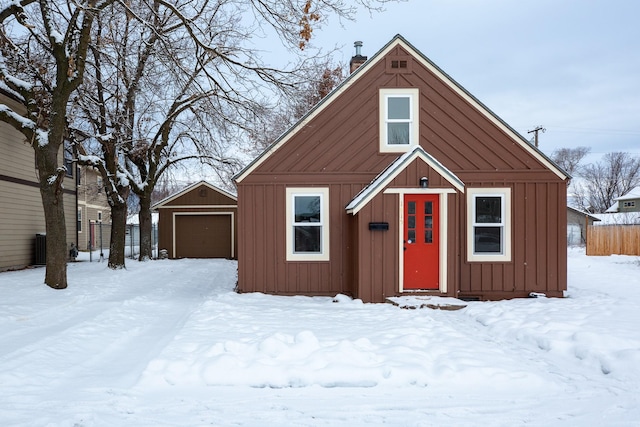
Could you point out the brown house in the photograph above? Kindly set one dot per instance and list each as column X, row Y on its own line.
column 401, row 182
column 198, row 222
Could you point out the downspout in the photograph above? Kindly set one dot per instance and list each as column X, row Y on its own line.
column 75, row 183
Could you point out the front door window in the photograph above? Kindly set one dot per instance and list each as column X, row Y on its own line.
column 421, row 242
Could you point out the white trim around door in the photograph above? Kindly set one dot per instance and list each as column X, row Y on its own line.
column 442, row 192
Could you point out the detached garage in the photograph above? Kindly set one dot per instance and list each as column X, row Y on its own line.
column 198, row 222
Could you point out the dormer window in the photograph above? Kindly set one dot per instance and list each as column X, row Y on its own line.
column 398, row 120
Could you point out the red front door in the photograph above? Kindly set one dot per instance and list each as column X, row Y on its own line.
column 421, row 241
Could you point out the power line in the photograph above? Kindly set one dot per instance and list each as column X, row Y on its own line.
column 595, row 130
column 535, row 132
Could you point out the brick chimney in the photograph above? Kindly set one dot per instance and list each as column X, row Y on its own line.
column 358, row 59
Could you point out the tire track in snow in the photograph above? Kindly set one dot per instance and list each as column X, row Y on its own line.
column 118, row 334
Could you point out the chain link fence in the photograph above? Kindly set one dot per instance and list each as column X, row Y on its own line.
column 100, row 238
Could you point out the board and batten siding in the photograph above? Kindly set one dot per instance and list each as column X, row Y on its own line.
column 337, row 146
column 538, row 238
column 344, row 138
column 263, row 221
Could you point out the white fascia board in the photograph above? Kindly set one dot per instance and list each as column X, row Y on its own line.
column 483, row 109
column 185, row 190
column 389, row 174
column 321, row 106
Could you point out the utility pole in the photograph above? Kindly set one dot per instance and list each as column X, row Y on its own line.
column 535, row 132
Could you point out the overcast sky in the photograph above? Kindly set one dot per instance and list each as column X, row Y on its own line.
column 572, row 66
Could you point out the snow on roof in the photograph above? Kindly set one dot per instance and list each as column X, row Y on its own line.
column 580, row 211
column 191, row 187
column 387, row 175
column 618, row 218
column 634, row 193
column 613, row 208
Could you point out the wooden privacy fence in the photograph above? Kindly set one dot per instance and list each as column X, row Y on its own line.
column 613, row 239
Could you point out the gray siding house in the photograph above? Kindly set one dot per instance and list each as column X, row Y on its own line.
column 577, row 221
column 629, row 202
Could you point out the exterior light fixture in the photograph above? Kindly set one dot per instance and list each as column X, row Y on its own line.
column 424, row 182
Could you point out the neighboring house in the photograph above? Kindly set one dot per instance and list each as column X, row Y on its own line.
column 401, row 182
column 198, row 222
column 618, row 218
column 577, row 222
column 94, row 212
column 629, row 202
column 21, row 212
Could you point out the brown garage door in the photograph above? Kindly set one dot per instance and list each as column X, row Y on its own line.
column 203, row 236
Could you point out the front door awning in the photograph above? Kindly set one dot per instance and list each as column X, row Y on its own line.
column 383, row 179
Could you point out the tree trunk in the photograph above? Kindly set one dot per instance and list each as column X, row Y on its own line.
column 145, row 227
column 118, row 233
column 51, row 191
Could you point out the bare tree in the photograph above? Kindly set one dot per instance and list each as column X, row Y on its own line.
column 603, row 181
column 323, row 77
column 44, row 54
column 569, row 159
column 107, row 103
column 203, row 82
column 43, row 45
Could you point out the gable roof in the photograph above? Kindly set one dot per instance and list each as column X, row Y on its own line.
column 581, row 212
column 613, row 208
column 185, row 190
column 398, row 40
column 634, row 193
column 386, row 176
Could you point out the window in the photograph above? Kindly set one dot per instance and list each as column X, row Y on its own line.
column 489, row 224
column 631, row 204
column 307, row 224
column 398, row 120
column 79, row 219
column 68, row 158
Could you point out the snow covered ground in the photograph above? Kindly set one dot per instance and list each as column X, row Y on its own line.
column 168, row 343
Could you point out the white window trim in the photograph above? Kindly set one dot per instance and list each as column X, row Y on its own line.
column 505, row 194
column 413, row 94
column 79, row 220
column 323, row 193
